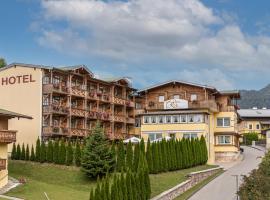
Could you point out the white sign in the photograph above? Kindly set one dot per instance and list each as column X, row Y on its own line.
column 176, row 104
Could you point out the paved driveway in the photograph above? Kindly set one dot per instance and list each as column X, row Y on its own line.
column 224, row 186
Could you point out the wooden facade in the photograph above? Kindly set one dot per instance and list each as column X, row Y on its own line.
column 73, row 102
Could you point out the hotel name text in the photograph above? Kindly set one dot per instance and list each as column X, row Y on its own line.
column 20, row 79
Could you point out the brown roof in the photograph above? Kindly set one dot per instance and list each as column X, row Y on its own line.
column 10, row 114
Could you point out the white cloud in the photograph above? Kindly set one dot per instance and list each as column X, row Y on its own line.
column 183, row 32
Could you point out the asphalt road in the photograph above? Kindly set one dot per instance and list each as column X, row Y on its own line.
column 224, row 186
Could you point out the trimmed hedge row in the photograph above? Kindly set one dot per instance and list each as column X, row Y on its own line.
column 58, row 152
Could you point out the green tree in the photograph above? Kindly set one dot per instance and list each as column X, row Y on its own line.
column 121, row 157
column 78, row 154
column 204, row 150
column 97, row 158
column 62, row 152
column 37, row 157
column 2, row 62
column 149, row 156
column 136, row 157
column 129, row 156
column 142, row 146
column 70, row 155
column 56, row 152
column 32, row 156
column 23, row 152
column 49, row 153
column 27, row 153
column 13, row 153
column 18, row 152
column 42, row 152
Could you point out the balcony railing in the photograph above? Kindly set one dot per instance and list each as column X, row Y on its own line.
column 56, row 109
column 7, row 136
column 129, row 103
column 139, row 111
column 3, row 164
column 48, row 88
column 77, row 92
column 79, row 132
column 119, row 118
column 104, row 97
column 119, row 101
column 130, row 120
column 51, row 130
column 92, row 95
column 78, row 112
column 208, row 104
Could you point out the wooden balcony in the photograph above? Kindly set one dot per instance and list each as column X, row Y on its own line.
column 130, row 120
column 78, row 112
column 3, row 164
column 7, row 136
column 79, row 132
column 119, row 101
column 207, row 104
column 55, row 130
column 92, row 95
column 119, row 118
column 227, row 108
column 49, row 88
column 56, row 109
column 103, row 115
column 77, row 92
column 130, row 103
column 105, row 97
column 139, row 111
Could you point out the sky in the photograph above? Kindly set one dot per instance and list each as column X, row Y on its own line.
column 222, row 43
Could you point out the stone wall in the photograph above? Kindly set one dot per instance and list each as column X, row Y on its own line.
column 226, row 156
column 193, row 179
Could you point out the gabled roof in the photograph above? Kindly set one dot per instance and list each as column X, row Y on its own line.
column 253, row 113
column 234, row 93
column 75, row 67
column 176, row 81
column 10, row 114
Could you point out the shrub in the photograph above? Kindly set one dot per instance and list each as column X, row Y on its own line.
column 249, row 137
column 27, row 153
column 23, row 152
column 78, row 154
column 32, row 156
column 18, row 152
column 69, row 156
column 56, row 152
column 49, row 153
column 37, row 156
column 121, row 163
column 62, row 153
column 14, row 153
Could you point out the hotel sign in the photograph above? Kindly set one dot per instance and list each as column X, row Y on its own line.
column 19, row 79
column 176, row 104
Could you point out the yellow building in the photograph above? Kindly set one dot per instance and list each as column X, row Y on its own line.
column 254, row 121
column 180, row 109
column 6, row 137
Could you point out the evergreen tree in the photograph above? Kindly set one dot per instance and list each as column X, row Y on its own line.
column 123, row 185
column 97, row 158
column 37, row 155
column 136, row 157
column 78, row 154
column 184, row 153
column 23, row 152
column 14, row 152
column 129, row 186
column 18, row 152
column 62, row 153
column 160, row 157
column 42, row 152
column 142, row 146
column 92, row 195
column 120, row 156
column 27, row 153
column 56, row 152
column 32, row 156
column 113, row 150
column 204, row 150
column 50, row 152
column 149, row 156
column 70, row 156
column 154, row 158
column 129, row 156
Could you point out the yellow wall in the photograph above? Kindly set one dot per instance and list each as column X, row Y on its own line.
column 24, row 98
column 233, row 123
column 3, row 173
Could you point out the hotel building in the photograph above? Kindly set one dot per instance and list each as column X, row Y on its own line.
column 6, row 137
column 65, row 102
column 180, row 109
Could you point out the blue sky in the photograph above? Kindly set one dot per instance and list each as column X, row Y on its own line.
column 224, row 43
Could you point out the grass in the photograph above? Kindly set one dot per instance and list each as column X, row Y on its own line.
column 69, row 183
column 186, row 195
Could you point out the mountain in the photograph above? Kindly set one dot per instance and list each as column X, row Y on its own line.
column 255, row 98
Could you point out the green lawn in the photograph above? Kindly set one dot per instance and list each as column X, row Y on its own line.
column 69, row 183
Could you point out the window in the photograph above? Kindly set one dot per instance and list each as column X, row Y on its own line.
column 193, row 97
column 172, row 135
column 155, row 136
column 146, row 119
column 161, row 98
column 250, row 127
column 223, row 122
column 46, row 79
column 161, row 119
column 190, row 118
column 224, row 139
column 153, row 119
column 46, row 101
column 176, row 96
column 258, row 126
column 175, row 119
column 56, row 80
column 138, row 106
column 183, row 118
column 137, row 122
column 190, row 135
column 168, row 119
column 198, row 118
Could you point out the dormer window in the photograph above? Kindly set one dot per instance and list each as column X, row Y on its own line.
column 193, row 97
column 161, row 98
column 176, row 96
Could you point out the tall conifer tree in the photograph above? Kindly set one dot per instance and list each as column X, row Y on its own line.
column 69, row 155
column 18, row 152
column 129, row 156
column 32, row 156
column 14, row 152
column 56, row 152
column 23, row 152
column 43, row 152
column 78, row 154
column 49, row 153
column 37, row 152
column 62, row 152
column 27, row 153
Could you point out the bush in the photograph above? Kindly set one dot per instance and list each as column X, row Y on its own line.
column 27, row 153
column 249, row 137
column 18, row 152
column 49, row 153
column 62, row 153
column 14, row 152
column 23, row 152
column 37, row 156
column 32, row 156
column 69, row 156
column 78, row 154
